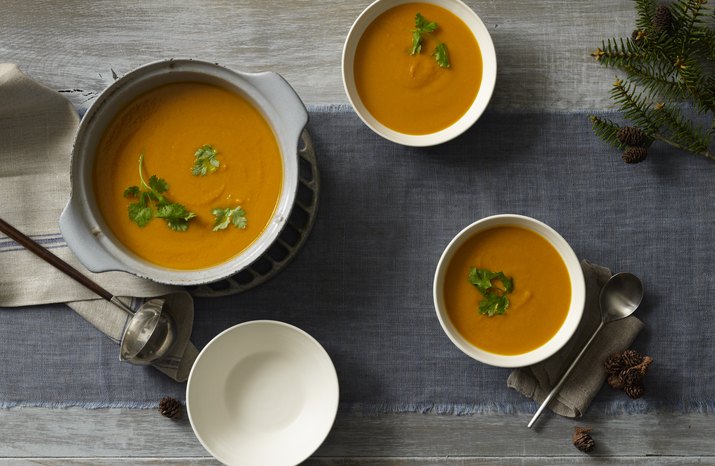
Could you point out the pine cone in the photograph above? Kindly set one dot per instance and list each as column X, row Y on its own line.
column 631, row 358
column 632, row 136
column 615, row 381
column 662, row 19
column 634, row 391
column 582, row 439
column 631, row 376
column 614, row 364
column 170, row 407
column 635, row 154
column 643, row 366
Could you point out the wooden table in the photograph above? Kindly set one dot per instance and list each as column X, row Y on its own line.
column 543, row 51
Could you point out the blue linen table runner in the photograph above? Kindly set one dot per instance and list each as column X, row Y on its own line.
column 362, row 285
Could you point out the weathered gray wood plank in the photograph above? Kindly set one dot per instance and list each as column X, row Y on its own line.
column 110, row 433
column 542, row 46
column 449, row 461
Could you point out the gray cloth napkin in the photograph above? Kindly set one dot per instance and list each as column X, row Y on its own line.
column 587, row 377
column 37, row 127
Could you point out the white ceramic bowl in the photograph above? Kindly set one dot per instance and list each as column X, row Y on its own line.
column 262, row 393
column 81, row 223
column 489, row 72
column 578, row 292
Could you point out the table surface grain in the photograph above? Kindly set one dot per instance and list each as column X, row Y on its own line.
column 78, row 47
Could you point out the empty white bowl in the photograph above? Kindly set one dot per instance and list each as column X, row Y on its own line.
column 484, row 94
column 575, row 273
column 262, row 393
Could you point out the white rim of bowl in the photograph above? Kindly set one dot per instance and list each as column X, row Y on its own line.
column 300, row 331
column 484, row 93
column 578, row 292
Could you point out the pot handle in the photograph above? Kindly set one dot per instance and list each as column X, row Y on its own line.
column 281, row 95
column 84, row 241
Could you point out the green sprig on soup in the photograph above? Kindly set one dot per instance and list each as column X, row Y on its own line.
column 495, row 300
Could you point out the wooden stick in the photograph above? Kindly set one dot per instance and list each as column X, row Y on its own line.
column 52, row 259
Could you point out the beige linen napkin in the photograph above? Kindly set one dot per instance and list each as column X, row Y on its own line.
column 588, row 376
column 37, row 127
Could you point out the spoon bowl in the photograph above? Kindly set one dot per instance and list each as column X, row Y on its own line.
column 620, row 297
column 150, row 334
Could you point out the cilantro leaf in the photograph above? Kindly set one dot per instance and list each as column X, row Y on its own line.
column 176, row 216
column 493, row 304
column 140, row 213
column 158, row 185
column 153, row 203
column 228, row 216
column 481, row 278
column 507, row 282
column 131, row 192
column 495, row 301
column 422, row 28
column 206, row 161
column 416, row 42
column 441, row 55
column 423, row 25
column 169, row 211
column 178, row 224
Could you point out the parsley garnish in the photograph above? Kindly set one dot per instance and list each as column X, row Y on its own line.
column 441, row 55
column 495, row 301
column 152, row 202
column 422, row 28
column 227, row 216
column 206, row 161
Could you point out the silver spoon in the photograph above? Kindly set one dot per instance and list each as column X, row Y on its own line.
column 150, row 333
column 619, row 298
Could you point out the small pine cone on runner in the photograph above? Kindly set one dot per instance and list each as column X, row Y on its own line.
column 634, row 154
column 614, row 364
column 582, row 439
column 634, row 391
column 631, row 358
column 615, row 381
column 631, row 376
column 632, row 136
column 170, row 407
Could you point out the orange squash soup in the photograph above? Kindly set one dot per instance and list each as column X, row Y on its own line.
column 538, row 302
column 412, row 93
column 167, row 126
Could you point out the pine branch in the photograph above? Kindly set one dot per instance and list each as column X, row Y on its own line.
column 634, row 106
column 681, row 132
column 618, row 54
column 687, row 16
column 707, row 45
column 606, row 130
column 669, row 61
column 694, row 83
column 664, row 139
column 657, row 79
column 646, row 11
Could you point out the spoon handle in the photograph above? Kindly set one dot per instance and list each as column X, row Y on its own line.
column 58, row 263
column 556, row 389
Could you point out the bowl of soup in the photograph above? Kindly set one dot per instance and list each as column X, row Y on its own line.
column 183, row 172
column 419, row 73
column 509, row 291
